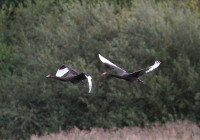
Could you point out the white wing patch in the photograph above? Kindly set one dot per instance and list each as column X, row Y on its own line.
column 104, row 60
column 156, row 64
column 89, row 82
column 61, row 72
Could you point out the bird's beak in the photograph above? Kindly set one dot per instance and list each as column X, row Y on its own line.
column 103, row 73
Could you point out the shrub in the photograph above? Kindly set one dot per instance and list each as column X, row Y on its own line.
column 44, row 36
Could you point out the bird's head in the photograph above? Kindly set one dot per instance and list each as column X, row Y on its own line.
column 105, row 73
column 48, row 76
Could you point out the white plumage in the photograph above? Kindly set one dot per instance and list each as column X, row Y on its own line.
column 61, row 72
column 156, row 64
column 104, row 60
column 89, row 78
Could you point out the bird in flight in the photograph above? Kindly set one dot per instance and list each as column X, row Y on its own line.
column 72, row 76
column 131, row 77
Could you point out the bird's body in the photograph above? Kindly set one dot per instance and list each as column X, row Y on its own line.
column 131, row 77
column 126, row 77
column 73, row 79
column 72, row 76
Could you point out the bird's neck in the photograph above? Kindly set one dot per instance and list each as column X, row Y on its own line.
column 59, row 78
column 113, row 75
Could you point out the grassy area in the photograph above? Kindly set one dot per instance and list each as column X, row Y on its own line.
column 170, row 131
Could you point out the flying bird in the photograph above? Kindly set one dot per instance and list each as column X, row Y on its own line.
column 131, row 77
column 72, row 76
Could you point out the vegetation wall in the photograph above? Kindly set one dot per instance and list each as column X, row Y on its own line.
column 39, row 37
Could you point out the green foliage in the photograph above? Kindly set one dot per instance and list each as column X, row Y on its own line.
column 14, row 3
column 45, row 35
column 5, row 58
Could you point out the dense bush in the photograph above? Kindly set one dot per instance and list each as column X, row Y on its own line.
column 44, row 36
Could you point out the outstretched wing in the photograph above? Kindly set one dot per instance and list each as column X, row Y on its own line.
column 72, row 72
column 62, row 71
column 82, row 76
column 66, row 69
column 78, row 78
column 146, row 70
column 106, row 61
column 89, row 78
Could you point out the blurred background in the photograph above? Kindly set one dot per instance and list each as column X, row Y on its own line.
column 37, row 37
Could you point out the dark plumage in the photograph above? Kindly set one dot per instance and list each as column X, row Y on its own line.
column 72, row 76
column 131, row 77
